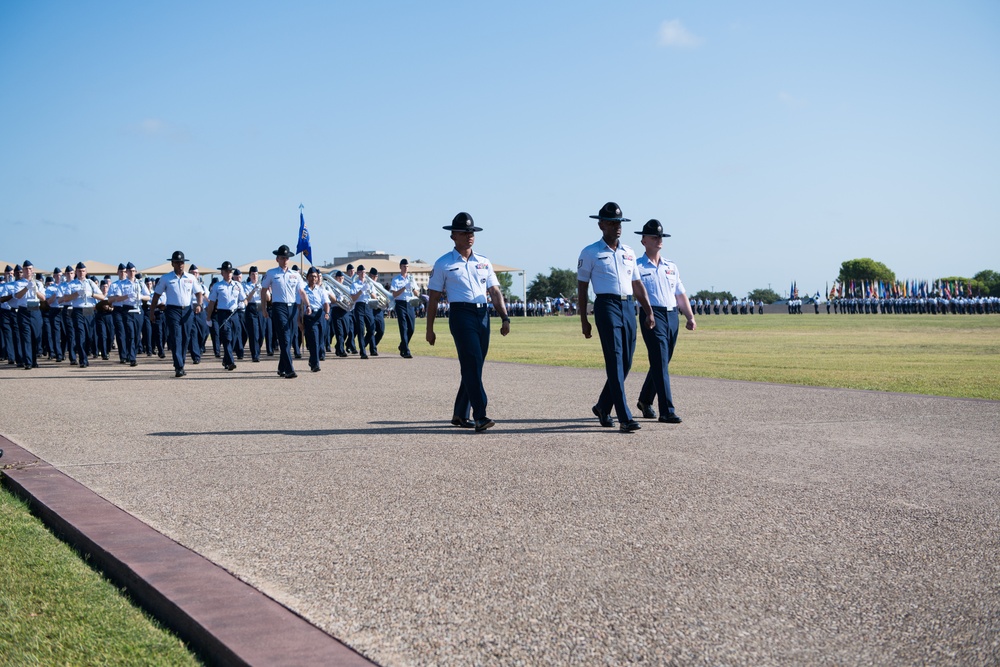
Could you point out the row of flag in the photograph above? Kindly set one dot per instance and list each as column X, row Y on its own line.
column 884, row 289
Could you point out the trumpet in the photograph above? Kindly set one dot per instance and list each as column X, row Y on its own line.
column 341, row 293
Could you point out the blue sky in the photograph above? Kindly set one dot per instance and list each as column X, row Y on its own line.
column 773, row 140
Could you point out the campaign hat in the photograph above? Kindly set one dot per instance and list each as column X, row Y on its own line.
column 610, row 212
column 283, row 251
column 226, row 266
column 178, row 256
column 652, row 228
column 463, row 222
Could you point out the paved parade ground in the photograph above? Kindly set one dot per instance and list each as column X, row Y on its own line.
column 776, row 525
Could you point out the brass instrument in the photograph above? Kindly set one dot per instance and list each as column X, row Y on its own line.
column 341, row 293
column 382, row 296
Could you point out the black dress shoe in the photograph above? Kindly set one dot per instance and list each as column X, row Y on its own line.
column 671, row 419
column 256, row 361
column 291, row 376
column 463, row 423
column 374, row 354
column 628, row 427
column 364, row 356
column 161, row 355
column 315, row 369
column 483, row 424
column 407, row 356
column 133, row 363
column 605, row 420
column 281, row 374
column 180, row 373
column 646, row 410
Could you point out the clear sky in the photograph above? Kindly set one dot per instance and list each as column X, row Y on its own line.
column 773, row 140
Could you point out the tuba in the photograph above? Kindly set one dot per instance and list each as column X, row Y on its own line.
column 341, row 293
column 382, row 296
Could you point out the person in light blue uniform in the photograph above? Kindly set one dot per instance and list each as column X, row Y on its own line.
column 666, row 293
column 119, row 312
column 403, row 289
column 199, row 321
column 378, row 315
column 82, row 295
column 179, row 290
column 470, row 283
column 239, row 346
column 339, row 319
column 8, row 318
column 53, row 291
column 364, row 321
column 253, row 320
column 223, row 302
column 126, row 295
column 27, row 295
column 349, row 277
column 609, row 266
column 282, row 290
column 314, row 316
column 69, row 327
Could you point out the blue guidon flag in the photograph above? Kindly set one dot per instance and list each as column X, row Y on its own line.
column 304, row 246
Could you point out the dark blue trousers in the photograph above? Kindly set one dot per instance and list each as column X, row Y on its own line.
column 285, row 325
column 378, row 328
column 470, row 327
column 364, row 327
column 29, row 323
column 178, row 329
column 224, row 321
column 198, row 334
column 118, row 317
column 660, row 342
column 616, row 322
column 338, row 322
column 133, row 333
column 253, row 327
column 69, row 333
column 313, row 325
column 55, row 318
column 404, row 319
column 83, row 325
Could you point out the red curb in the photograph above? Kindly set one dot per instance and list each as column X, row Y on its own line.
column 225, row 620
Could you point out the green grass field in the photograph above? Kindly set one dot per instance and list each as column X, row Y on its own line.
column 954, row 355
column 55, row 610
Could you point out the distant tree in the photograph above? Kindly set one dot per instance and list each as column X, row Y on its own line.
column 865, row 269
column 506, row 282
column 767, row 295
column 991, row 279
column 558, row 282
column 712, row 296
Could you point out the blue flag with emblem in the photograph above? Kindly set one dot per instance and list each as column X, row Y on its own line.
column 304, row 246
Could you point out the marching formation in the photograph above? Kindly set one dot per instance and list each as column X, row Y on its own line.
column 74, row 317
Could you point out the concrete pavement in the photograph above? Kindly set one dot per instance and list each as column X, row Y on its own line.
column 776, row 525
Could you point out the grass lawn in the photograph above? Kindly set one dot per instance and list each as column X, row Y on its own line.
column 953, row 355
column 55, row 610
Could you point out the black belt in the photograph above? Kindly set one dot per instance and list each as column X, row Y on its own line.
column 619, row 297
column 663, row 309
column 223, row 310
column 121, row 307
column 169, row 307
column 470, row 306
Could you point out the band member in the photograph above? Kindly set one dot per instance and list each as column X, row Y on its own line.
column 318, row 303
column 378, row 315
column 253, row 319
column 339, row 319
column 364, row 321
column 403, row 289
